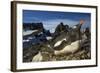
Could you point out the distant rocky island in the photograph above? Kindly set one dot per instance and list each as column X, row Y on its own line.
column 39, row 44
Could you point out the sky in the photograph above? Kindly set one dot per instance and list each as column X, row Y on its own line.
column 51, row 19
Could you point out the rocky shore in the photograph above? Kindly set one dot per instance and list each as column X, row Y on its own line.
column 39, row 43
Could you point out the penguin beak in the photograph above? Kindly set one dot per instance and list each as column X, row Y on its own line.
column 82, row 21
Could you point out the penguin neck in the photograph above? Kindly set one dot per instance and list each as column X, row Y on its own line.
column 39, row 53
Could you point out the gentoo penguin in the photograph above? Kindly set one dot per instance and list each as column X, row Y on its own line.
column 86, row 39
column 44, row 54
column 41, row 56
column 71, row 48
column 74, row 35
column 38, row 57
column 75, row 32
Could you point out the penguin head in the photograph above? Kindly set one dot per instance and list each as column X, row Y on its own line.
column 82, row 21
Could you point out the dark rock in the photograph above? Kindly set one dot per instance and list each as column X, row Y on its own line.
column 60, row 28
column 32, row 26
column 87, row 33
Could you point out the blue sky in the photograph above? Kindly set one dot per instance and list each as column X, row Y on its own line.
column 51, row 19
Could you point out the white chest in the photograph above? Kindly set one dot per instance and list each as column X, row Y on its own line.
column 59, row 42
column 69, row 48
column 37, row 58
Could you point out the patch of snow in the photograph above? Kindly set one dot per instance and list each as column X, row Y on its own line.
column 74, row 27
column 29, row 32
column 30, row 38
column 26, row 40
column 48, row 38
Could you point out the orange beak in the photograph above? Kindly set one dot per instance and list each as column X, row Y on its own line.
column 82, row 21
